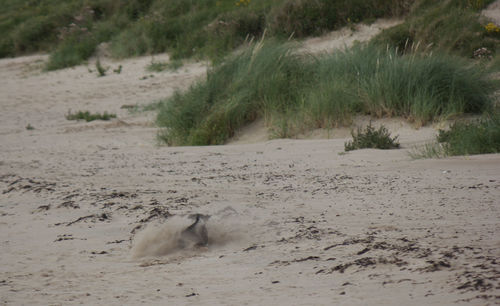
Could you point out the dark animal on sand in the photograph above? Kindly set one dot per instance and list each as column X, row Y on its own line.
column 195, row 234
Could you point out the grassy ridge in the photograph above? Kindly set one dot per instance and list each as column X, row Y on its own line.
column 297, row 92
column 73, row 29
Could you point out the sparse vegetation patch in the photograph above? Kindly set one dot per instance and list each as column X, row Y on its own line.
column 173, row 65
column 87, row 116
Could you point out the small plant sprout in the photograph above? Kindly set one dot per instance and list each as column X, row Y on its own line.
column 118, row 70
column 100, row 69
column 29, row 127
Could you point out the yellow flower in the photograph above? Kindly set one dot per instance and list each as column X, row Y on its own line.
column 492, row 28
column 243, row 2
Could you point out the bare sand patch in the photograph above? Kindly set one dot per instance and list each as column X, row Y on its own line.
column 492, row 12
column 347, row 36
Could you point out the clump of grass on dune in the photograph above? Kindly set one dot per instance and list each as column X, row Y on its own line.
column 481, row 136
column 297, row 92
column 477, row 137
column 423, row 87
column 245, row 86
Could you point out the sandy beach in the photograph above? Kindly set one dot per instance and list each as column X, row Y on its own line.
column 90, row 212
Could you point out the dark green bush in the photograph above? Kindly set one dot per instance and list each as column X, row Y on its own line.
column 371, row 138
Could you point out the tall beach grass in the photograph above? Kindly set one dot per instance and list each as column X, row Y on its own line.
column 296, row 92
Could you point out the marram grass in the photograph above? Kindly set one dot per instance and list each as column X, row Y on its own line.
column 296, row 92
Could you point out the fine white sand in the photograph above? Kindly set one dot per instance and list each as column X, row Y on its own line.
column 90, row 212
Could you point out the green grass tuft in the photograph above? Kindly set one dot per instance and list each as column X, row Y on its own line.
column 87, row 116
column 467, row 138
column 429, row 150
column 370, row 138
column 481, row 136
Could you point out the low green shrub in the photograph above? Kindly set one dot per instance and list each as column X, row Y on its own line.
column 371, row 138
